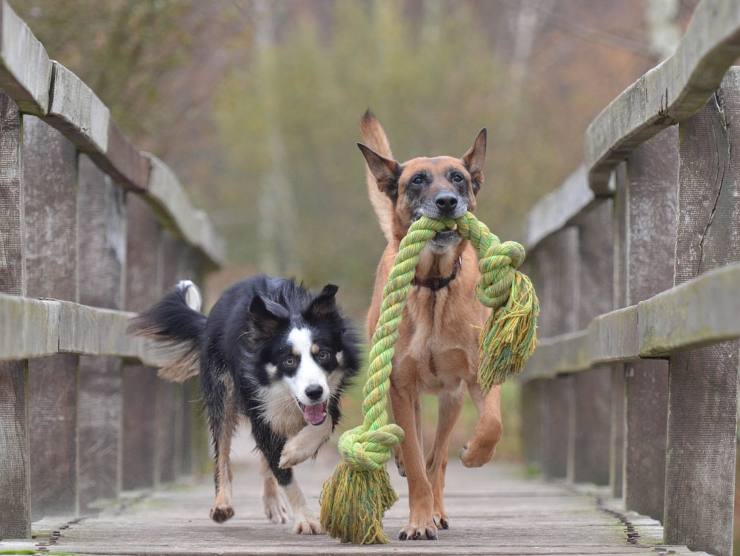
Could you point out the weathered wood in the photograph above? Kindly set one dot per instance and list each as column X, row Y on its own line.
column 668, row 93
column 616, row 433
column 167, row 196
column 50, row 179
column 77, row 111
column 25, row 69
column 12, row 264
column 102, row 236
column 557, row 256
column 652, row 174
column 127, row 166
column 15, row 472
column 143, row 279
column 702, row 416
column 589, row 457
column 558, row 208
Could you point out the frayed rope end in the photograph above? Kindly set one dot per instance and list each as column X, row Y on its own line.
column 509, row 336
column 353, row 502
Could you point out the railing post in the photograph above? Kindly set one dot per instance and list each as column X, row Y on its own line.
column 702, row 410
column 50, row 180
column 102, row 236
column 15, row 473
column 649, row 188
column 589, row 455
column 140, row 382
column 556, row 278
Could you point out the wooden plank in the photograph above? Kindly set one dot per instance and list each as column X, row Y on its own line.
column 558, row 208
column 25, row 69
column 77, row 111
column 15, row 472
column 616, row 435
column 127, row 166
column 668, row 93
column 592, row 412
column 650, row 189
column 702, row 416
column 167, row 196
column 50, row 180
column 102, row 236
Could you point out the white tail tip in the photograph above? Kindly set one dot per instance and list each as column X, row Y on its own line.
column 192, row 294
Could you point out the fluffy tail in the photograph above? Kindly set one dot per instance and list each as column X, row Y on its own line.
column 176, row 322
column 374, row 137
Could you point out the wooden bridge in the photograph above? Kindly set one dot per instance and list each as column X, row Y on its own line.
column 629, row 406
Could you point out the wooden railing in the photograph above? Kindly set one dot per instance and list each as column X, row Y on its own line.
column 91, row 230
column 636, row 260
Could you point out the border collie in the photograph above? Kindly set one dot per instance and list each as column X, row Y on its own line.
column 274, row 352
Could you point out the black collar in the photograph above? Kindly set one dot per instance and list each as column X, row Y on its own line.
column 438, row 282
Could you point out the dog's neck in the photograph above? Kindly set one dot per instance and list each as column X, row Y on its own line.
column 433, row 266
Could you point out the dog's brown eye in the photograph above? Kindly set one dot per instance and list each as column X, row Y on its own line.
column 290, row 362
column 457, row 178
column 418, row 179
column 324, row 356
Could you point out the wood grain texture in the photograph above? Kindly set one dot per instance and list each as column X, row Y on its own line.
column 77, row 111
column 50, row 180
column 143, row 288
column 616, row 436
column 592, row 412
column 25, row 69
column 702, row 418
column 668, row 93
column 102, row 237
column 650, row 189
column 12, row 264
column 15, row 472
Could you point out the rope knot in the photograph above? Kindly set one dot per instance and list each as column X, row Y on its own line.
column 369, row 449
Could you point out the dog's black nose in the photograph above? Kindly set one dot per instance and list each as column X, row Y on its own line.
column 446, row 202
column 314, row 392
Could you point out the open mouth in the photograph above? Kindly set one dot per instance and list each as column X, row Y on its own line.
column 314, row 414
column 446, row 237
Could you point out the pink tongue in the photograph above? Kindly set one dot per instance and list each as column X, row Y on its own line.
column 315, row 414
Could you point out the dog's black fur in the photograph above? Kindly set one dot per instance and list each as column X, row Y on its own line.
column 244, row 354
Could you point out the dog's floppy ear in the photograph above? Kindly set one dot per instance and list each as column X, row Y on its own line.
column 323, row 304
column 266, row 315
column 385, row 170
column 475, row 159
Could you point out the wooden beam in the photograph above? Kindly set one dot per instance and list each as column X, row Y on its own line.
column 702, row 416
column 668, row 93
column 25, row 69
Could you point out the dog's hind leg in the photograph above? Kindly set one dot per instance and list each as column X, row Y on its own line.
column 450, row 405
column 480, row 448
column 398, row 452
column 220, row 401
column 273, row 498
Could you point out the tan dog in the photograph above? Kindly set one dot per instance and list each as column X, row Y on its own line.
column 437, row 350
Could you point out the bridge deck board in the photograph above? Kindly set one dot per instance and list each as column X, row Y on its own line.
column 493, row 510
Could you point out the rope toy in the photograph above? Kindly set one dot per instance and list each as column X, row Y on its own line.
column 355, row 498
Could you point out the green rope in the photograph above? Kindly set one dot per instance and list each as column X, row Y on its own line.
column 355, row 497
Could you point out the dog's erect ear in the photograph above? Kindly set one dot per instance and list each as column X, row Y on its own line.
column 475, row 159
column 323, row 304
column 266, row 315
column 385, row 170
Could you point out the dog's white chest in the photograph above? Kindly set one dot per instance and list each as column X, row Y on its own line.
column 281, row 411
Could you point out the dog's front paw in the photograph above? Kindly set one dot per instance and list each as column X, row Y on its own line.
column 293, row 453
column 415, row 532
column 219, row 514
column 475, row 455
column 276, row 507
column 307, row 525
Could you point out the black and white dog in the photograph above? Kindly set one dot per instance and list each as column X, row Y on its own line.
column 273, row 352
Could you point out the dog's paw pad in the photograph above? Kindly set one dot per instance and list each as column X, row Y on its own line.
column 307, row 526
column 219, row 514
